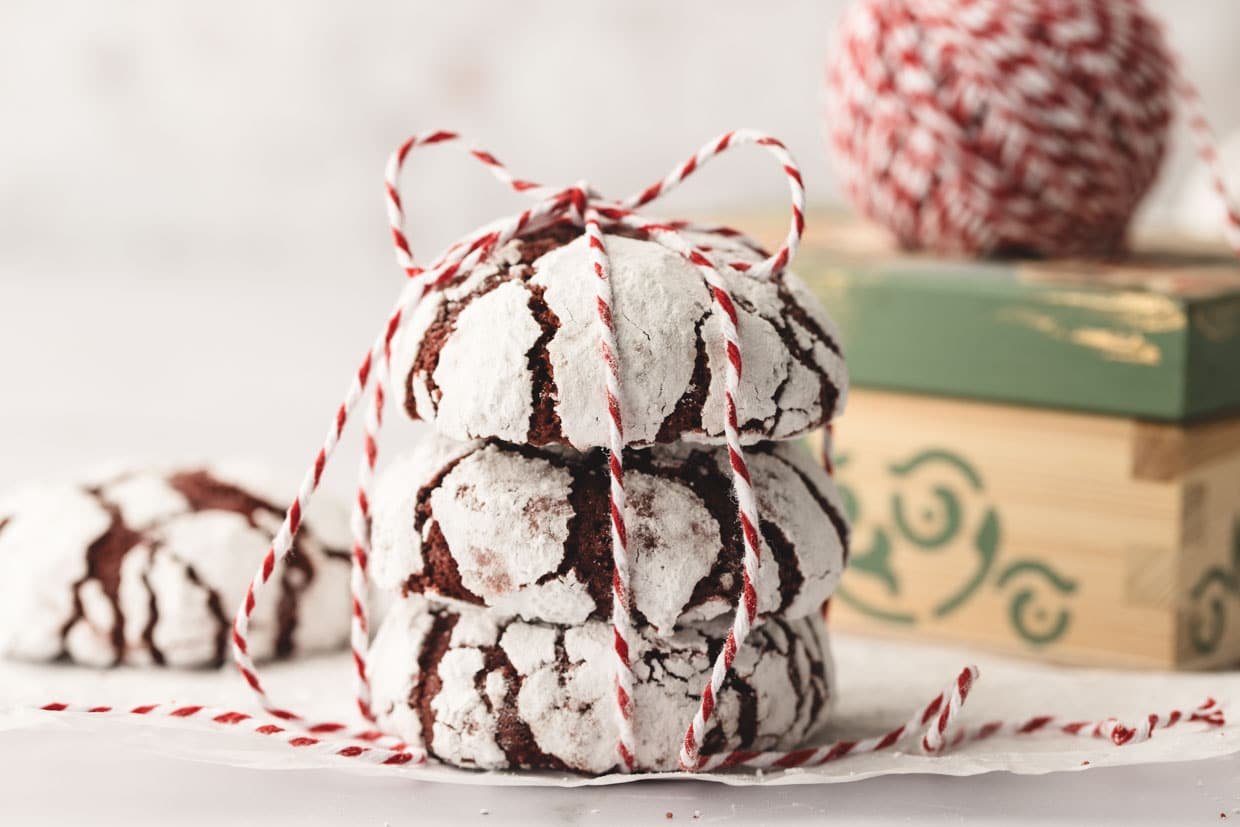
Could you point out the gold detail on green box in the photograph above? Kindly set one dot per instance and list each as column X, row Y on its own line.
column 1144, row 312
column 1132, row 347
column 1149, row 337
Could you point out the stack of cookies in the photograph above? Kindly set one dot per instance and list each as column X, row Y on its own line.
column 496, row 529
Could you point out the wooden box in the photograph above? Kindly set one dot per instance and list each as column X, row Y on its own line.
column 1042, row 458
column 1069, row 536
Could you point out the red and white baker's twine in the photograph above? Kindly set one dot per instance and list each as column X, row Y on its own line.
column 983, row 126
column 368, row 746
column 933, row 723
column 581, row 206
column 1207, row 150
column 621, row 610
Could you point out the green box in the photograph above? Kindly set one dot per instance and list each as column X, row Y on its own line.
column 1154, row 336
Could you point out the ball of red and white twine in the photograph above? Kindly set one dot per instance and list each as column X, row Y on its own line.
column 1006, row 126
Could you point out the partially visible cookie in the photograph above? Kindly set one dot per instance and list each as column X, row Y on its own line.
column 527, row 530
column 149, row 566
column 482, row 691
column 510, row 349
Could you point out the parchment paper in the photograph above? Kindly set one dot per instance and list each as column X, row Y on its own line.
column 880, row 683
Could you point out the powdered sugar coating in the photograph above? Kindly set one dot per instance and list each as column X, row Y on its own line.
column 148, row 566
column 503, row 693
column 511, row 351
column 658, row 301
column 45, row 533
column 482, row 369
column 525, row 530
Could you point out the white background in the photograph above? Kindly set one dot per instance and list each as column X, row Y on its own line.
column 193, row 254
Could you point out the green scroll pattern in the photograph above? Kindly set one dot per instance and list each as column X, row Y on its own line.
column 1039, row 610
column 1209, row 596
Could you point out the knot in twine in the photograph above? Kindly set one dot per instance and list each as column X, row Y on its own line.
column 1007, row 126
column 581, row 205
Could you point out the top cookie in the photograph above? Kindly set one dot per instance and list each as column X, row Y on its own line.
column 510, row 350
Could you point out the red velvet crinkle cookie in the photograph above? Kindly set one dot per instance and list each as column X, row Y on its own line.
column 484, row 691
column 526, row 530
column 510, row 351
column 148, row 567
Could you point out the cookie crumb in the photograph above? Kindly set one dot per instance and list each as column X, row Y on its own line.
column 1084, row 763
column 697, row 814
column 668, row 815
column 484, row 812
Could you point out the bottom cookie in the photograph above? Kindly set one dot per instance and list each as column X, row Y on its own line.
column 489, row 692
